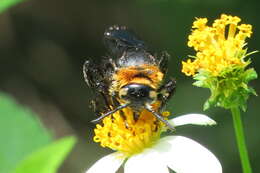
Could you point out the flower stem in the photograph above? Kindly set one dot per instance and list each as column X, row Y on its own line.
column 239, row 131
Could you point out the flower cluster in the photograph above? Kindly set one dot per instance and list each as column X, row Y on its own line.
column 139, row 147
column 122, row 132
column 220, row 63
column 216, row 47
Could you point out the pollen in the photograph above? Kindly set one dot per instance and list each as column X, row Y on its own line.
column 218, row 47
column 123, row 132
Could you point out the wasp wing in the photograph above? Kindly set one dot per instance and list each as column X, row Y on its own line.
column 119, row 39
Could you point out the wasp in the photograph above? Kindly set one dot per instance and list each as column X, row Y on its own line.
column 131, row 76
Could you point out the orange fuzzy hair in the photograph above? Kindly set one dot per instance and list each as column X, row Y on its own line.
column 145, row 74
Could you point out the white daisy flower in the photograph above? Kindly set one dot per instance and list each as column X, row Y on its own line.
column 140, row 149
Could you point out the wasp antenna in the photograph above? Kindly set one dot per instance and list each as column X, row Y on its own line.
column 109, row 113
column 160, row 118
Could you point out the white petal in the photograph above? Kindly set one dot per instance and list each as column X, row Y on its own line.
column 187, row 156
column 148, row 161
column 195, row 119
column 108, row 164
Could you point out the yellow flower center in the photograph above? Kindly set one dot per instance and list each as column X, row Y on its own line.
column 218, row 47
column 123, row 132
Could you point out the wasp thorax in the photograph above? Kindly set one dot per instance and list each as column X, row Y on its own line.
column 138, row 94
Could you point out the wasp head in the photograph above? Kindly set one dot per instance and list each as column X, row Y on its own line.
column 138, row 95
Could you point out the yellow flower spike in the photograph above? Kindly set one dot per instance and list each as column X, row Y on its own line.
column 188, row 68
column 246, row 30
column 200, row 23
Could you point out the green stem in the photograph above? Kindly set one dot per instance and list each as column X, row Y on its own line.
column 241, row 140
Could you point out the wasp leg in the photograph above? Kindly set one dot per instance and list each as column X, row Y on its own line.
column 163, row 61
column 166, row 91
column 96, row 79
column 93, row 76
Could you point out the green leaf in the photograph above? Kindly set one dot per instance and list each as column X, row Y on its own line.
column 250, row 74
column 206, row 105
column 198, row 83
column 200, row 76
column 20, row 131
column 5, row 4
column 253, row 91
column 229, row 89
column 47, row 159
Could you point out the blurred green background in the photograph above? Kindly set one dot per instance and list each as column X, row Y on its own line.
column 43, row 45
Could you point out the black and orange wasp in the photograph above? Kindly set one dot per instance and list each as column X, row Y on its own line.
column 131, row 76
